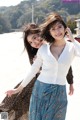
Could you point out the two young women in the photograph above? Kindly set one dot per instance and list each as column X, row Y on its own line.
column 19, row 104
column 49, row 99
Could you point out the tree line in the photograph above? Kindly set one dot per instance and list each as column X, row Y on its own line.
column 14, row 17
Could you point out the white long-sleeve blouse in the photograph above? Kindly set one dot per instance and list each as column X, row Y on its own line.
column 53, row 71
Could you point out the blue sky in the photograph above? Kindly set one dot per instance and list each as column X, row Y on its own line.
column 9, row 2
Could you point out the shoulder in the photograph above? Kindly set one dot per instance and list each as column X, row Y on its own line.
column 69, row 43
column 42, row 50
column 43, row 47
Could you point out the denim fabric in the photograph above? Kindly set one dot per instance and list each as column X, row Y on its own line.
column 48, row 102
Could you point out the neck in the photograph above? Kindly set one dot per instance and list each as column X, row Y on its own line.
column 59, row 43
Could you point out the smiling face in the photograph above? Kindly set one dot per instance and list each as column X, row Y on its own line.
column 57, row 31
column 53, row 28
column 35, row 40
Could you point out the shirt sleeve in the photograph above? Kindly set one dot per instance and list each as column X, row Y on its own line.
column 76, row 48
column 34, row 69
column 70, row 76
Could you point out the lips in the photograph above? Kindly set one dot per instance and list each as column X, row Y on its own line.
column 58, row 35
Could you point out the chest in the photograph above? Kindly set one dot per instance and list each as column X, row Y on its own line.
column 58, row 56
column 57, row 51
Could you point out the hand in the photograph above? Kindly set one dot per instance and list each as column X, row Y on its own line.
column 10, row 92
column 71, row 89
column 14, row 91
column 69, row 34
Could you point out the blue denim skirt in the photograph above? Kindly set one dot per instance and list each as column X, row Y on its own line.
column 48, row 102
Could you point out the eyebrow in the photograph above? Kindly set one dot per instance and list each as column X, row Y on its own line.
column 56, row 25
column 34, row 35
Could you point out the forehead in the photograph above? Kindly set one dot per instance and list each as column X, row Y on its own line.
column 56, row 24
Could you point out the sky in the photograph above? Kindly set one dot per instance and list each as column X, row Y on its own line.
column 9, row 2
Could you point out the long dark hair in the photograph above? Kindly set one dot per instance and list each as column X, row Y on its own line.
column 51, row 20
column 29, row 29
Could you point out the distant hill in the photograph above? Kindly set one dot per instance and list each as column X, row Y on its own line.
column 17, row 16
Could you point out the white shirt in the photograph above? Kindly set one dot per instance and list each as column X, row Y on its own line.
column 53, row 71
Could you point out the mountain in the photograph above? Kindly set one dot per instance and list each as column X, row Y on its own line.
column 17, row 16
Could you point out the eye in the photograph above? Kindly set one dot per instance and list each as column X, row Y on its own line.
column 60, row 26
column 38, row 34
column 53, row 29
column 34, row 37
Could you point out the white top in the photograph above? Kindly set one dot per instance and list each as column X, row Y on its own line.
column 53, row 71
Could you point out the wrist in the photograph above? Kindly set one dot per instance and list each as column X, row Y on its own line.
column 71, row 84
column 16, row 91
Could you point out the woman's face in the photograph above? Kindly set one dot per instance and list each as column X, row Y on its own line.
column 35, row 40
column 57, row 31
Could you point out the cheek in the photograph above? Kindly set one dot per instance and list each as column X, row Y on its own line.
column 52, row 33
column 33, row 45
column 64, row 30
column 64, row 33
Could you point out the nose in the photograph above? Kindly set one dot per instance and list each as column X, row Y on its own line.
column 37, row 40
column 36, row 43
column 57, row 30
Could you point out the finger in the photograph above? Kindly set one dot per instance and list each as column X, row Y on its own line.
column 71, row 93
